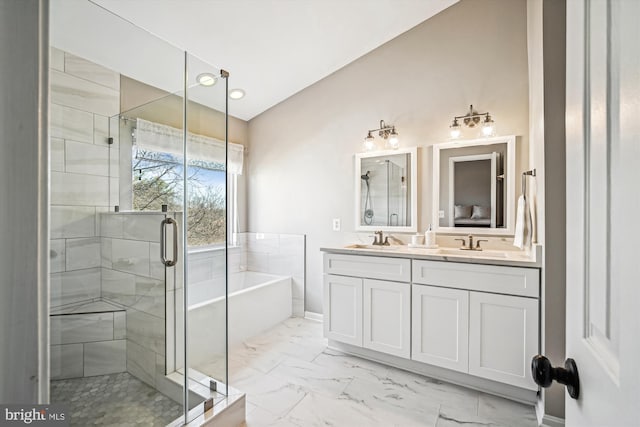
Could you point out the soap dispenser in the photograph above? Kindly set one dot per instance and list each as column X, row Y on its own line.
column 430, row 238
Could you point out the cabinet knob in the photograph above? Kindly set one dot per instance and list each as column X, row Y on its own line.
column 544, row 374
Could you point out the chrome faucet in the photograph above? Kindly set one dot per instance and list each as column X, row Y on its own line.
column 377, row 241
column 470, row 247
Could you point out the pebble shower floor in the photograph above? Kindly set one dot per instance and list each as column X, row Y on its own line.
column 114, row 400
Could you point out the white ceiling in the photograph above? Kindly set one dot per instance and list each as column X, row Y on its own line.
column 272, row 48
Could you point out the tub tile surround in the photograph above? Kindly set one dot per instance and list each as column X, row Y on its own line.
column 281, row 254
column 330, row 387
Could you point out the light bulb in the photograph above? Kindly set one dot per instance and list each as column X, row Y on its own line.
column 369, row 144
column 488, row 127
column 393, row 142
column 455, row 129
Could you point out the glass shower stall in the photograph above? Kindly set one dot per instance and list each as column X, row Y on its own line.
column 139, row 188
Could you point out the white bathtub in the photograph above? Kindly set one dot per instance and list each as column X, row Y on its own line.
column 257, row 302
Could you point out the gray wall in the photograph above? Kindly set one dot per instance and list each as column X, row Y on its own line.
column 546, row 40
column 300, row 160
column 554, row 20
column 24, row 353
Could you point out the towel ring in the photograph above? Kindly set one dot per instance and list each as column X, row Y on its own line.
column 532, row 172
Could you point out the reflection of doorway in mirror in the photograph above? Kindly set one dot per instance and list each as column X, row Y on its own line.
column 476, row 191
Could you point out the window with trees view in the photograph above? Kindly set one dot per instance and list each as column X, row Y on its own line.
column 158, row 180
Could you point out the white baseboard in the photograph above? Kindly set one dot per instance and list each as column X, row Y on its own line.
column 551, row 421
column 313, row 316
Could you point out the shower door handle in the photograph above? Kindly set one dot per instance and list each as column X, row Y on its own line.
column 163, row 238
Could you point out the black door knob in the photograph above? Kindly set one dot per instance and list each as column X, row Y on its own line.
column 544, row 374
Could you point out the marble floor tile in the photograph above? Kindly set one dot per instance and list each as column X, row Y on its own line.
column 506, row 412
column 272, row 392
column 313, row 378
column 394, row 402
column 258, row 417
column 360, row 368
column 335, row 389
column 447, row 395
column 451, row 418
column 317, row 410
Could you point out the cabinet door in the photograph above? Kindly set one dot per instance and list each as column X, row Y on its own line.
column 343, row 309
column 503, row 337
column 440, row 327
column 387, row 317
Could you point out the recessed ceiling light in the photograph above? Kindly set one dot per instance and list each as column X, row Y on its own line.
column 236, row 93
column 206, row 79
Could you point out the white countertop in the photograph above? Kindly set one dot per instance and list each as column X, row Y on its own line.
column 491, row 257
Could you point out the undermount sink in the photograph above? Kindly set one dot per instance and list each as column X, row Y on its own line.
column 378, row 247
column 486, row 253
column 468, row 253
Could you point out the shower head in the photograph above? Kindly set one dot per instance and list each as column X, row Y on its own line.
column 365, row 176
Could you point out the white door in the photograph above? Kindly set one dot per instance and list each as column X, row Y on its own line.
column 343, row 309
column 503, row 337
column 603, row 210
column 387, row 317
column 440, row 326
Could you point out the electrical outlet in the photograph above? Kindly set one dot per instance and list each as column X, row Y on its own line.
column 336, row 224
column 440, row 214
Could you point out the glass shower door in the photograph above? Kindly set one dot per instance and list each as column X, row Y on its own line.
column 138, row 225
column 206, row 187
column 109, row 296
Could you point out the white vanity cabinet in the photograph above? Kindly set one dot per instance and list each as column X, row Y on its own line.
column 500, row 310
column 368, row 302
column 503, row 338
column 468, row 322
column 440, row 333
column 343, row 309
column 387, row 317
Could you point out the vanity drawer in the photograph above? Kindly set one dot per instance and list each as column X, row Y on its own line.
column 372, row 267
column 476, row 277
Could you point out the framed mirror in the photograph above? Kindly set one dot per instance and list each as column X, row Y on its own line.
column 474, row 186
column 386, row 190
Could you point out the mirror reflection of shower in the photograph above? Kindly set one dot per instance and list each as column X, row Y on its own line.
column 384, row 191
column 368, row 212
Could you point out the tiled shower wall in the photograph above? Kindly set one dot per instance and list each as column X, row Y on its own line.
column 133, row 277
column 83, row 97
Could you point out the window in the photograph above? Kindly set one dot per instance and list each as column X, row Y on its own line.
column 158, row 180
column 158, row 175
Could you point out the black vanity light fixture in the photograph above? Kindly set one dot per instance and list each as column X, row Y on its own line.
column 471, row 120
column 386, row 132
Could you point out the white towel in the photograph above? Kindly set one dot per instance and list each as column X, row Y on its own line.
column 522, row 237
